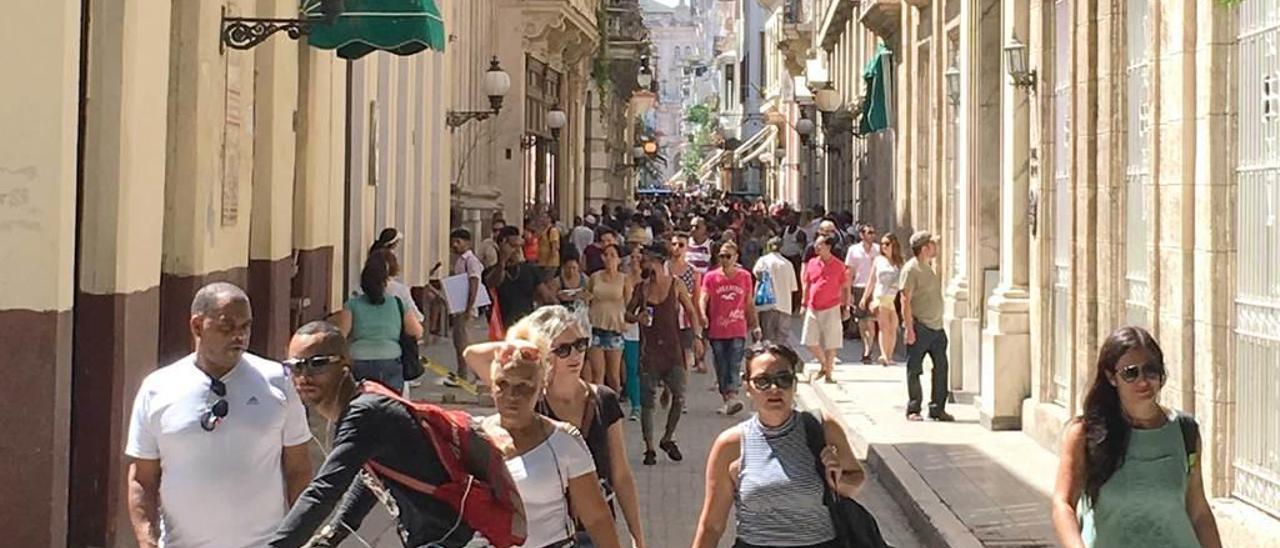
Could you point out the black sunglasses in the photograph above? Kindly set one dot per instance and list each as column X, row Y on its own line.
column 303, row 366
column 1153, row 372
column 567, row 349
column 218, row 410
column 784, row 381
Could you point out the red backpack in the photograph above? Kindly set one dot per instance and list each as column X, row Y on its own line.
column 492, row 508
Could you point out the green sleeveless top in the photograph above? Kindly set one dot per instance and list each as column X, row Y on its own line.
column 1145, row 502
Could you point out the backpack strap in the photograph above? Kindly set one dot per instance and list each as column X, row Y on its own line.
column 815, row 436
column 381, row 471
column 1190, row 438
column 451, row 466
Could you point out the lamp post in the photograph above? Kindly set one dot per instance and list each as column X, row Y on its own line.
column 828, row 101
column 1016, row 55
column 556, row 120
column 804, row 127
column 496, row 83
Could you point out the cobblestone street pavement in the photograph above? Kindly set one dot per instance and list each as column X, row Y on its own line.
column 671, row 492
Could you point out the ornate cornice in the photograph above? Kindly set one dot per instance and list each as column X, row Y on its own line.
column 561, row 32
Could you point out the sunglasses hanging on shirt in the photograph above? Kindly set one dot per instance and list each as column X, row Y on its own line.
column 218, row 411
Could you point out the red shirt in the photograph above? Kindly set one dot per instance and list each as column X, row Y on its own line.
column 825, row 283
column 727, row 303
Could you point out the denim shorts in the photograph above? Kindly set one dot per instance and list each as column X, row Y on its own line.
column 608, row 340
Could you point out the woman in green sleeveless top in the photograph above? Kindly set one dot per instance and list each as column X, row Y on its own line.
column 1128, row 474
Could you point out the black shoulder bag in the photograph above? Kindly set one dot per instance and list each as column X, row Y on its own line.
column 410, row 363
column 855, row 526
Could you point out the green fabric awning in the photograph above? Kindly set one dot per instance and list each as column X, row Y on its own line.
column 402, row 27
column 875, row 105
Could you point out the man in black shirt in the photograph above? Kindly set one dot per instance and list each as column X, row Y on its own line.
column 367, row 427
column 520, row 285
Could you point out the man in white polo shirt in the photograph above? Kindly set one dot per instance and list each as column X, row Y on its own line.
column 218, row 439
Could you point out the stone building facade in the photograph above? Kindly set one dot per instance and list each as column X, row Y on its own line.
column 1133, row 182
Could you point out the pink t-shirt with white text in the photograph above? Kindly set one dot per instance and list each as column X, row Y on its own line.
column 727, row 303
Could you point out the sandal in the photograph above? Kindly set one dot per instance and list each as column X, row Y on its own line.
column 914, row 417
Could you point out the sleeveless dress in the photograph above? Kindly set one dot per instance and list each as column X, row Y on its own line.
column 1144, row 502
column 606, row 304
column 779, row 490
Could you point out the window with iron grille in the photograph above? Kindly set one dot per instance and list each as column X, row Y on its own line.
column 1137, row 294
column 1061, row 200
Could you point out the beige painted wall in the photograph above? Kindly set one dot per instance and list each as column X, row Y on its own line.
column 125, row 136
column 276, row 101
column 210, row 146
column 38, row 108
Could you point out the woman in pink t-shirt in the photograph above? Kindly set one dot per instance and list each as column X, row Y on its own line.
column 826, row 292
column 729, row 306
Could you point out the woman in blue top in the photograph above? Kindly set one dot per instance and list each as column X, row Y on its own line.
column 764, row 468
column 1129, row 464
column 373, row 322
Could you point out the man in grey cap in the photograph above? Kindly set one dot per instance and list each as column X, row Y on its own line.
column 922, row 318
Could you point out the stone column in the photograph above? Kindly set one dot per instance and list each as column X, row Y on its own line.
column 38, row 109
column 956, row 293
column 317, row 233
column 270, row 228
column 118, row 299
column 209, row 167
column 1006, row 371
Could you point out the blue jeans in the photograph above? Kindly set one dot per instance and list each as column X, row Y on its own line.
column 388, row 372
column 728, row 354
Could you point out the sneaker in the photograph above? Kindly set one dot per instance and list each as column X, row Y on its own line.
column 635, row 414
column 451, row 381
column 732, row 407
column 650, row 458
column 672, row 451
column 942, row 416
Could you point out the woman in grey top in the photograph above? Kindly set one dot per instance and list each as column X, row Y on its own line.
column 763, row 467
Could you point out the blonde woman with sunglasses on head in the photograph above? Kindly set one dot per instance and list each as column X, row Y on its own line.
column 1129, row 473
column 592, row 409
column 548, row 460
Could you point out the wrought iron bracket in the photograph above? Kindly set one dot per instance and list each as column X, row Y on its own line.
column 244, row 33
column 456, row 118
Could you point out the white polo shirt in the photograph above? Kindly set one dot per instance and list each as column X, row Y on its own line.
column 860, row 260
column 224, row 488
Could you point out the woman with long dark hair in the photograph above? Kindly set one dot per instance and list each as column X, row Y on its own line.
column 373, row 322
column 1129, row 473
column 885, row 272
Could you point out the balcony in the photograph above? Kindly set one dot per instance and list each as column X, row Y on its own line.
column 796, row 34
column 882, row 17
column 560, row 30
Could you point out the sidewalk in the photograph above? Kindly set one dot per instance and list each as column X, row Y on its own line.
column 959, row 484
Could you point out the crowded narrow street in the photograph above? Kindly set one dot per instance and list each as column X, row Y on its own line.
column 671, row 493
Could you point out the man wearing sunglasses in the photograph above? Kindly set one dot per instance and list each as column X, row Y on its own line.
column 366, row 427
column 227, row 429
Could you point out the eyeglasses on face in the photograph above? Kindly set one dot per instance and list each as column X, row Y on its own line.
column 306, row 366
column 1152, row 372
column 567, row 349
column 218, row 411
column 784, row 381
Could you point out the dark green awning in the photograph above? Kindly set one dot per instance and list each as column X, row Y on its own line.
column 875, row 105
column 402, row 27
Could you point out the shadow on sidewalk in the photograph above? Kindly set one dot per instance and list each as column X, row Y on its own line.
column 938, row 484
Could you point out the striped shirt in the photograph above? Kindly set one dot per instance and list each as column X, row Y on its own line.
column 779, row 498
column 699, row 255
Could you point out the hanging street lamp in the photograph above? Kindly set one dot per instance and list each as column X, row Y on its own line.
column 496, row 83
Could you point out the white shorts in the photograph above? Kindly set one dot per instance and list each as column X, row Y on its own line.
column 823, row 329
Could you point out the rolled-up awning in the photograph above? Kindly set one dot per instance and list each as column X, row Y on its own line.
column 875, row 105
column 709, row 165
column 755, row 146
column 402, row 27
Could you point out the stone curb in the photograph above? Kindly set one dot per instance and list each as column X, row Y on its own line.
column 926, row 513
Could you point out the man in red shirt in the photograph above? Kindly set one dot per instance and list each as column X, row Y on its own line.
column 728, row 303
column 825, row 294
